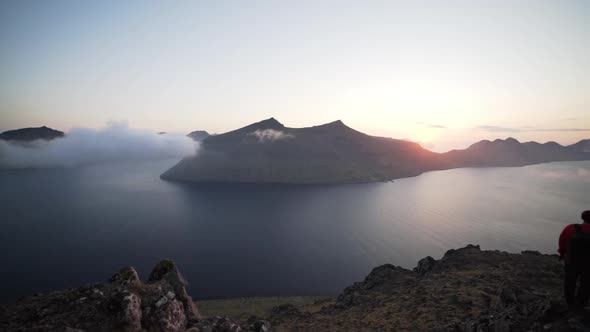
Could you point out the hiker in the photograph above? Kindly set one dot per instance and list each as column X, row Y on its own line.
column 574, row 248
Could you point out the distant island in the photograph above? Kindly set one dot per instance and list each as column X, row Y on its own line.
column 269, row 152
column 31, row 134
column 198, row 135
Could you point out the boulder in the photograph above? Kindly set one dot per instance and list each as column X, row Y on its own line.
column 425, row 265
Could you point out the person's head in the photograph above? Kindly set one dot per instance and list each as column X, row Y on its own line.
column 586, row 216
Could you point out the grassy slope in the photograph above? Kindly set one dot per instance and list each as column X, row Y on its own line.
column 247, row 306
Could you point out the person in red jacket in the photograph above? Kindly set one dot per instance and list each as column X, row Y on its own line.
column 576, row 267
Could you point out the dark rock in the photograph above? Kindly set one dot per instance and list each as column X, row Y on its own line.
column 425, row 265
column 531, row 252
column 161, row 269
column 166, row 270
column 122, row 304
column 131, row 315
column 31, row 134
column 198, row 135
column 125, row 277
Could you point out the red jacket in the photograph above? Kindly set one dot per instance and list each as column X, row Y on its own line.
column 567, row 234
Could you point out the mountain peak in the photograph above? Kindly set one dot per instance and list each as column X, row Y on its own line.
column 338, row 124
column 270, row 123
column 198, row 135
column 511, row 140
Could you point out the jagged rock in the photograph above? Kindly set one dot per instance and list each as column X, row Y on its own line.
column 468, row 289
column 163, row 300
column 125, row 277
column 122, row 304
column 161, row 269
column 425, row 265
column 166, row 270
column 131, row 314
column 259, row 325
column 169, row 317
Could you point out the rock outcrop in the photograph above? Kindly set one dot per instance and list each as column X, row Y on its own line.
column 124, row 303
column 198, row 135
column 467, row 290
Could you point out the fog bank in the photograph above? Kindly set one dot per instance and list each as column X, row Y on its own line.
column 81, row 146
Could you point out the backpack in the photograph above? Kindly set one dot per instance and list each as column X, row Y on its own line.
column 579, row 248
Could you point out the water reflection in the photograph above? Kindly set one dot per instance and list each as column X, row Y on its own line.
column 83, row 224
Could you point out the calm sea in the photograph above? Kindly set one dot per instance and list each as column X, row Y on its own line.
column 68, row 227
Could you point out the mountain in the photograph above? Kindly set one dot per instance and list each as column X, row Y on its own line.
column 31, row 134
column 269, row 152
column 581, row 146
column 510, row 152
column 198, row 135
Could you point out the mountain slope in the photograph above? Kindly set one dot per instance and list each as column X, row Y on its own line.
column 31, row 134
column 269, row 152
column 510, row 152
column 581, row 146
column 467, row 290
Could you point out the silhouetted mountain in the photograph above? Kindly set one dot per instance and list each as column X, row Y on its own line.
column 31, row 134
column 510, row 152
column 581, row 146
column 198, row 135
column 269, row 152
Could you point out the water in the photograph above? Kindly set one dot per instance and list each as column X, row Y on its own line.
column 68, row 227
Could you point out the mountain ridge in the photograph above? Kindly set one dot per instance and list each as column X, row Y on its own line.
column 269, row 152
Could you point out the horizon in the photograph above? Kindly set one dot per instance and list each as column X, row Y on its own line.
column 445, row 76
column 124, row 125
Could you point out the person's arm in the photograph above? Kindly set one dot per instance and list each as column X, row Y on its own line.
column 563, row 240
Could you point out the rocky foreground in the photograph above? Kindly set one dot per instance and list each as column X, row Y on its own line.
column 467, row 290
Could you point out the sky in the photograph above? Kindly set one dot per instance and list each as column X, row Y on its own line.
column 443, row 73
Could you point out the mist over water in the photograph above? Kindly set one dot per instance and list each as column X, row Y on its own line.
column 67, row 227
column 85, row 146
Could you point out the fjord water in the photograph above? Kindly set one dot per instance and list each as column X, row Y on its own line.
column 68, row 227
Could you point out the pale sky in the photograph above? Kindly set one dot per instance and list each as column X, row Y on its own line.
column 445, row 73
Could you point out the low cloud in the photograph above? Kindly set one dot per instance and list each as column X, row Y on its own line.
column 270, row 135
column 434, row 126
column 497, row 129
column 81, row 146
